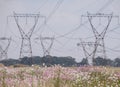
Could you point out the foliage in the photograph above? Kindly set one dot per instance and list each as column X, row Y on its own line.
column 63, row 61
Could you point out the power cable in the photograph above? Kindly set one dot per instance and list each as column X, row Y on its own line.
column 59, row 2
column 117, row 27
column 41, row 6
column 75, row 29
column 114, row 50
column 113, row 38
column 106, row 5
column 12, row 31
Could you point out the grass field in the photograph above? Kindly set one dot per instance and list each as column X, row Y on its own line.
column 57, row 76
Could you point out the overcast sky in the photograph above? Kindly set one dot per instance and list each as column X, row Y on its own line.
column 65, row 19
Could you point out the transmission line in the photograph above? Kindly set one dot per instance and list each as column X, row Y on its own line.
column 79, row 26
column 59, row 2
column 41, row 5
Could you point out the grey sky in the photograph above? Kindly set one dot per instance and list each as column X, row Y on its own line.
column 65, row 19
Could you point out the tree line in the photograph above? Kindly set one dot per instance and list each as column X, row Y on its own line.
column 63, row 61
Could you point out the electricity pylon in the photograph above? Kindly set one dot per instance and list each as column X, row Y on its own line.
column 89, row 49
column 46, row 43
column 26, row 48
column 4, row 49
column 99, row 36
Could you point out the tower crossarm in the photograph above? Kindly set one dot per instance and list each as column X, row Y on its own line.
column 35, row 16
column 100, row 15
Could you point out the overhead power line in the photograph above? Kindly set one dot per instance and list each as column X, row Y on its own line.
column 79, row 26
column 41, row 6
column 59, row 2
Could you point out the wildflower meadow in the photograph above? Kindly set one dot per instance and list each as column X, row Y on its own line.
column 58, row 76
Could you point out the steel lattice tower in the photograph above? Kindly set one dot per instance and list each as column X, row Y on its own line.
column 89, row 50
column 3, row 51
column 43, row 40
column 99, row 36
column 26, row 49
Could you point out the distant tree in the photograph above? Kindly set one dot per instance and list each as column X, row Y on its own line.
column 25, row 61
column 84, row 62
column 99, row 61
column 110, row 62
column 117, row 62
column 47, row 60
column 9, row 62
